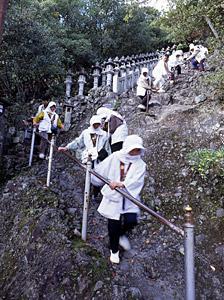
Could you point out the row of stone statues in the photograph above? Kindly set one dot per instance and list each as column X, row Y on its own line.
column 119, row 75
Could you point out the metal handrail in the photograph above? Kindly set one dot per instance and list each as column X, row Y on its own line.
column 187, row 233
column 123, row 192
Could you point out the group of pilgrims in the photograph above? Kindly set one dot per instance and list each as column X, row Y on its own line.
column 168, row 67
column 116, row 155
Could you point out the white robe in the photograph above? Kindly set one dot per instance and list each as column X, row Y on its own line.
column 121, row 132
column 174, row 60
column 160, row 74
column 199, row 53
column 112, row 202
column 202, row 54
column 84, row 141
column 143, row 84
column 46, row 123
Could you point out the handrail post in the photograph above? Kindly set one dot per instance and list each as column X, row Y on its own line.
column 86, row 198
column 50, row 160
column 189, row 254
column 32, row 146
column 147, row 99
column 126, row 194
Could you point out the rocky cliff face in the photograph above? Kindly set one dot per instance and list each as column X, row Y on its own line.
column 2, row 134
column 42, row 256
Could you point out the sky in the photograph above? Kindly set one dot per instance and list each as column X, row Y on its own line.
column 159, row 4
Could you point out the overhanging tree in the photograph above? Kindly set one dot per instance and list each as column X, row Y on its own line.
column 188, row 20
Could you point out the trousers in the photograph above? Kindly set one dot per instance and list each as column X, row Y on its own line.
column 43, row 142
column 143, row 100
column 117, row 228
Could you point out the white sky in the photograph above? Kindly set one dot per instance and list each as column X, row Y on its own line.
column 159, row 4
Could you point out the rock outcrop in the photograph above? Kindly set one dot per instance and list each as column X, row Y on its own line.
column 42, row 256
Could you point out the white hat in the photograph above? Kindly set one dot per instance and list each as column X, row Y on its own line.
column 179, row 52
column 95, row 120
column 50, row 104
column 191, row 46
column 103, row 112
column 132, row 142
column 106, row 113
column 145, row 70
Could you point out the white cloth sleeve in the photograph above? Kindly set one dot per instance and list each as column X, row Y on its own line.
column 78, row 143
column 135, row 184
column 102, row 168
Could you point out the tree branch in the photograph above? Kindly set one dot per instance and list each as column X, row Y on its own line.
column 208, row 21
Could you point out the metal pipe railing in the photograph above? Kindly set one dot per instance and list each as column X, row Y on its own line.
column 32, row 146
column 188, row 232
column 126, row 194
column 50, row 159
column 189, row 254
column 86, row 199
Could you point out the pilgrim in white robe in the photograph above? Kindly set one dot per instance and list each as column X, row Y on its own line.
column 111, row 205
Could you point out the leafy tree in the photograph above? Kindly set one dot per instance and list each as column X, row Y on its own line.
column 67, row 20
column 43, row 38
column 139, row 31
column 30, row 56
column 187, row 20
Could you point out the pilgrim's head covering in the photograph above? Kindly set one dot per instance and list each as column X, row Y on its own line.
column 132, row 142
column 95, row 120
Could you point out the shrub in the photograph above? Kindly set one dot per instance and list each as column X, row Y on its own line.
column 207, row 162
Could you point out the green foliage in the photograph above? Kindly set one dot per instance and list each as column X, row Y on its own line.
column 185, row 21
column 30, row 58
column 43, row 38
column 97, row 266
column 207, row 162
column 216, row 79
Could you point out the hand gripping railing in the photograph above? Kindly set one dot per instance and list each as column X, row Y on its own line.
column 124, row 193
column 187, row 233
